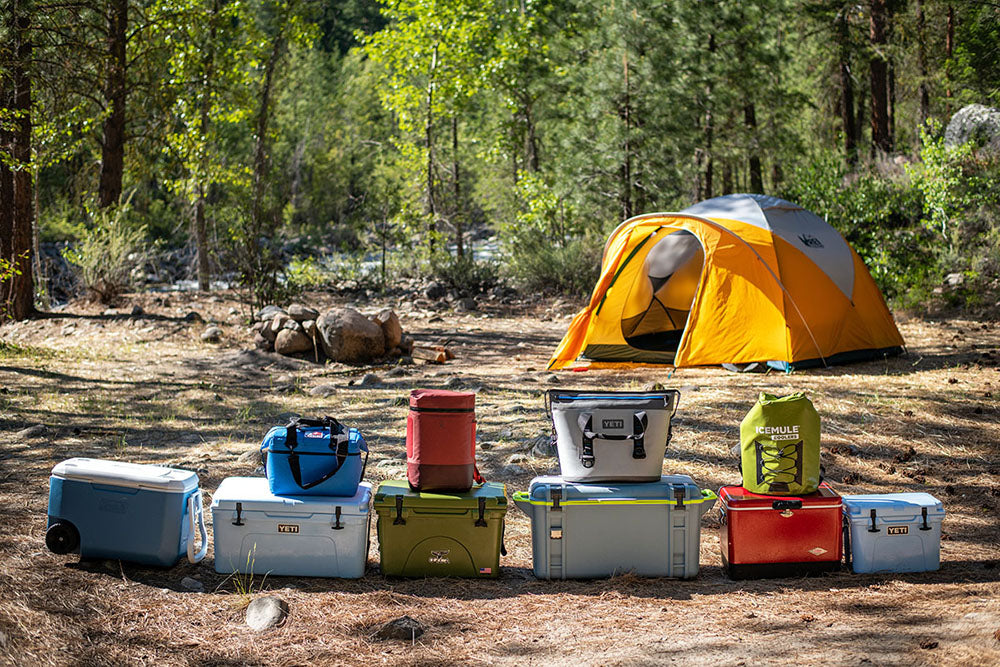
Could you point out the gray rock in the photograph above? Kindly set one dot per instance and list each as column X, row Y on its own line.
column 193, row 316
column 289, row 341
column 31, row 432
column 954, row 279
column 552, row 378
column 391, row 329
column 292, row 325
column 349, row 336
column 211, row 335
column 323, row 390
column 268, row 312
column 653, row 386
column 388, row 463
column 454, row 383
column 249, row 456
column 369, row 379
column 267, row 332
column 266, row 612
column 466, row 304
column 435, row 291
column 736, row 450
column 278, row 322
column 137, row 311
column 976, row 123
column 542, row 447
column 512, row 470
column 395, row 372
column 309, row 327
column 262, row 343
column 506, row 433
column 689, row 388
column 234, row 311
column 190, row 584
column 404, row 628
column 301, row 313
column 517, row 458
column 286, row 417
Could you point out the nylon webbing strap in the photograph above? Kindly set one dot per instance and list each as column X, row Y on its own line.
column 586, row 423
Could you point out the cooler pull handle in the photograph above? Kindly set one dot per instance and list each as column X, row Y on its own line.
column 399, row 520
column 786, row 505
column 481, row 521
column 923, row 515
column 336, row 513
column 556, row 494
column 239, row 515
column 195, row 508
column 874, row 528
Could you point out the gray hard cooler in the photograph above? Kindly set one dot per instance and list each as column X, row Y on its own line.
column 586, row 531
column 606, row 436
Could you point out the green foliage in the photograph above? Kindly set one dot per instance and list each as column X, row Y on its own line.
column 111, row 253
column 305, row 273
column 535, row 264
column 464, row 274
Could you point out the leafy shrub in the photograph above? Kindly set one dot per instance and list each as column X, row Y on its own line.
column 305, row 273
column 110, row 254
column 464, row 273
column 534, row 263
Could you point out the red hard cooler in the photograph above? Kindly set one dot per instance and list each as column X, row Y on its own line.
column 780, row 536
column 441, row 440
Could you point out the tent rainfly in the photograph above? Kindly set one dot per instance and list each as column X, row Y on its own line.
column 736, row 279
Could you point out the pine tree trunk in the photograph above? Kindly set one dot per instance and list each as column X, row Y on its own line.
column 846, row 87
column 429, row 139
column 459, row 240
column 753, row 163
column 949, row 50
column 200, row 227
column 707, row 189
column 115, row 90
column 925, row 96
column 878, row 77
column 626, row 168
column 17, row 300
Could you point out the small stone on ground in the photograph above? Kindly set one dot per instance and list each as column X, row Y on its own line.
column 211, row 335
column 403, row 627
column 266, row 612
column 192, row 585
column 32, row 431
column 323, row 390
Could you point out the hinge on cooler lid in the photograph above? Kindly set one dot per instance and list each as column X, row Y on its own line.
column 874, row 528
column 923, row 514
column 556, row 494
column 239, row 515
column 337, row 525
column 481, row 521
column 399, row 520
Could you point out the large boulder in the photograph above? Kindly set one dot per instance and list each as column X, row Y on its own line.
column 391, row 328
column 976, row 123
column 301, row 313
column 349, row 336
column 289, row 341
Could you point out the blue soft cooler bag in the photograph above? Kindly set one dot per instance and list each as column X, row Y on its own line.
column 314, row 457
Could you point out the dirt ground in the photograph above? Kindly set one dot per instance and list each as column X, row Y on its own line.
column 147, row 389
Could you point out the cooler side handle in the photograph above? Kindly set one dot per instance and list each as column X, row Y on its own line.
column 195, row 509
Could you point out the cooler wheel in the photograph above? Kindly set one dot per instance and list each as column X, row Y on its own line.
column 62, row 537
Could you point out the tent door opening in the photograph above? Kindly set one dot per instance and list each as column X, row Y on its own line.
column 656, row 311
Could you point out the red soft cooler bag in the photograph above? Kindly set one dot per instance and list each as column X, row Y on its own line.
column 441, row 440
column 780, row 536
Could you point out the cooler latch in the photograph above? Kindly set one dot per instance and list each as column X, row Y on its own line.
column 239, row 515
column 679, row 496
column 481, row 521
column 873, row 528
column 336, row 514
column 923, row 515
column 399, row 520
column 556, row 495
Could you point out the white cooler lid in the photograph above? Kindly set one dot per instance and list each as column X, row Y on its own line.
column 131, row 475
column 892, row 505
column 253, row 493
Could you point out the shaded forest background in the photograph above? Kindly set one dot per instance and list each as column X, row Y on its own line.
column 287, row 144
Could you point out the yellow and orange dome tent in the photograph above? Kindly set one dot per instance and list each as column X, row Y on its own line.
column 731, row 280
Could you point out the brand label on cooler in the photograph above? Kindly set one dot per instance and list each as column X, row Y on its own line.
column 288, row 528
column 898, row 530
column 442, row 557
column 613, row 423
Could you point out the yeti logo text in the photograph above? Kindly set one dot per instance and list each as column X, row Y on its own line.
column 777, row 433
column 899, row 530
column 810, row 241
column 613, row 423
column 440, row 557
column 288, row 528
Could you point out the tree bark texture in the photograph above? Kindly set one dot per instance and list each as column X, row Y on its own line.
column 925, row 96
column 753, row 162
column 200, row 226
column 846, row 86
column 457, row 216
column 115, row 90
column 878, row 76
column 429, row 139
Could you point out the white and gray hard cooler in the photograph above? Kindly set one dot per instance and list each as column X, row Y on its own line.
column 310, row 536
column 585, row 531
column 893, row 532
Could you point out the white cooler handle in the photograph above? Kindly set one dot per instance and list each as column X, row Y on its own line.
column 195, row 508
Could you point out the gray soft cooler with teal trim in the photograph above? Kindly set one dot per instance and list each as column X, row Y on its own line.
column 585, row 531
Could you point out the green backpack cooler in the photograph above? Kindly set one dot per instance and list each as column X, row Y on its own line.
column 779, row 446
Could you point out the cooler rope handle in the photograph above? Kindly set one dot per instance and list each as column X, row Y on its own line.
column 195, row 508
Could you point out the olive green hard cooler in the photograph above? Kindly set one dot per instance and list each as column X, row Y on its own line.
column 440, row 534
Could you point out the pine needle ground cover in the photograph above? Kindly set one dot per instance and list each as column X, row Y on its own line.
column 147, row 389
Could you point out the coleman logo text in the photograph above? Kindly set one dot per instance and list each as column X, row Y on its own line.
column 777, row 433
column 898, row 530
column 613, row 423
column 288, row 528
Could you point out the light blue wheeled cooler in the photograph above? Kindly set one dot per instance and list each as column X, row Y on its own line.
column 588, row 530
column 126, row 511
column 257, row 532
column 893, row 532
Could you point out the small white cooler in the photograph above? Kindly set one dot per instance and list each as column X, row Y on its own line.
column 893, row 532
column 311, row 536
